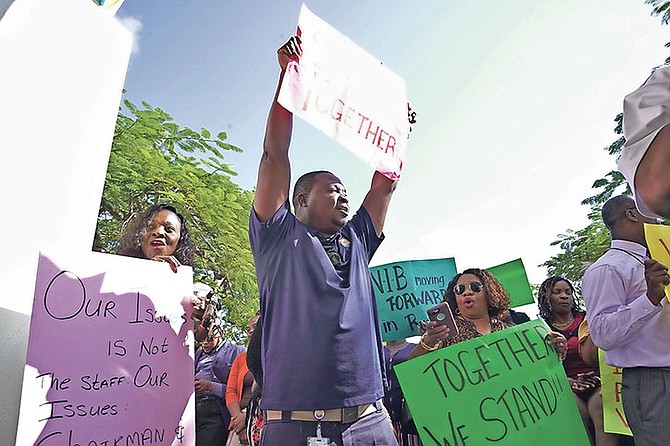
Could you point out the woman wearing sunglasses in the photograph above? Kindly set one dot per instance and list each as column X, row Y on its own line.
column 479, row 301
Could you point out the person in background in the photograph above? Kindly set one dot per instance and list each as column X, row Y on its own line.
column 202, row 312
column 397, row 352
column 238, row 393
column 213, row 361
column 587, row 349
column 255, row 419
column 629, row 318
column 159, row 233
column 478, row 300
column 560, row 310
column 206, row 304
column 514, row 317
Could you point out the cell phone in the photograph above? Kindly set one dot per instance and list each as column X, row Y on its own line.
column 441, row 313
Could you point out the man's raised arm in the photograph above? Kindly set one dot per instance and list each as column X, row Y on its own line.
column 274, row 171
column 377, row 200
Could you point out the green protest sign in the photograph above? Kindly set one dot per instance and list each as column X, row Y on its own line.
column 404, row 290
column 506, row 388
column 512, row 276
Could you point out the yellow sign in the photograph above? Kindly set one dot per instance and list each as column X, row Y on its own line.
column 658, row 242
column 614, row 420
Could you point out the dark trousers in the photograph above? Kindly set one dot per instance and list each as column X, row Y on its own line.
column 211, row 423
column 374, row 429
column 646, row 402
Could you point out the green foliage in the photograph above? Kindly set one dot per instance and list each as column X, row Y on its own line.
column 155, row 160
column 579, row 249
column 661, row 8
column 583, row 247
column 614, row 180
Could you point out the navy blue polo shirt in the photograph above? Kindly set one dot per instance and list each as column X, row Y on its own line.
column 321, row 344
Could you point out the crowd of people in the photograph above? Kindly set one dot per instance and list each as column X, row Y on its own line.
column 315, row 369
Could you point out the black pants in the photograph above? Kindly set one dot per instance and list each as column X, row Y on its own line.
column 211, row 423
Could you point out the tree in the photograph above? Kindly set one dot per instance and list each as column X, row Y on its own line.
column 660, row 8
column 579, row 249
column 583, row 247
column 155, row 160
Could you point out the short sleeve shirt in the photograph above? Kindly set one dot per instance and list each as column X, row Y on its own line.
column 321, row 345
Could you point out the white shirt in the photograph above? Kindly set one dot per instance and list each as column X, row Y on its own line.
column 622, row 320
column 645, row 113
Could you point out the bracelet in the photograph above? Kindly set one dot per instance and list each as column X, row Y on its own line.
column 427, row 347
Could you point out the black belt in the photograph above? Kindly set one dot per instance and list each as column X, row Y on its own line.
column 203, row 398
column 659, row 368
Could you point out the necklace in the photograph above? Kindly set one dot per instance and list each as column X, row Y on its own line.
column 630, row 254
column 564, row 324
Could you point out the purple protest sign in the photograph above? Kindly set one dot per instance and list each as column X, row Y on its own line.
column 110, row 355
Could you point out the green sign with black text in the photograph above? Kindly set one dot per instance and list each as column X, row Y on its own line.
column 506, row 388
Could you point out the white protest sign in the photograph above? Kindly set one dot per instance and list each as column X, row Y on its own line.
column 347, row 94
column 62, row 68
column 110, row 354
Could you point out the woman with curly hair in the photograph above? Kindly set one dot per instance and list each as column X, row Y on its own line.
column 478, row 302
column 159, row 233
column 560, row 310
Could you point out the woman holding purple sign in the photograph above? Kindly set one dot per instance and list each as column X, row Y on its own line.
column 159, row 233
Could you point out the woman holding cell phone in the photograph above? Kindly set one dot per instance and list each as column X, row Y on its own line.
column 478, row 301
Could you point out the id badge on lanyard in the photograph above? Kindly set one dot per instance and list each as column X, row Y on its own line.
column 318, row 440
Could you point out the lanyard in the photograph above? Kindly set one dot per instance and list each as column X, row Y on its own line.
column 630, row 254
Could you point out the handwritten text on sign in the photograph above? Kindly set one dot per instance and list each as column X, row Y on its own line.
column 109, row 355
column 508, row 387
column 614, row 419
column 404, row 290
column 347, row 94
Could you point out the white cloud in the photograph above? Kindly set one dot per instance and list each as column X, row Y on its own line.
column 133, row 25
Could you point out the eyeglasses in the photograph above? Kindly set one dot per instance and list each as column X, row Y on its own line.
column 476, row 287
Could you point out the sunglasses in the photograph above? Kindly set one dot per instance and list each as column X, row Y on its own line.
column 476, row 287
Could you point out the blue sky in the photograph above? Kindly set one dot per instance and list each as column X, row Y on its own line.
column 516, row 100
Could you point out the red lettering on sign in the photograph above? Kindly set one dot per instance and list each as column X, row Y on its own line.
column 358, row 122
column 617, row 391
column 621, row 416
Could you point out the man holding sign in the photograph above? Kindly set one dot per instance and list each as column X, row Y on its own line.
column 630, row 320
column 321, row 347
